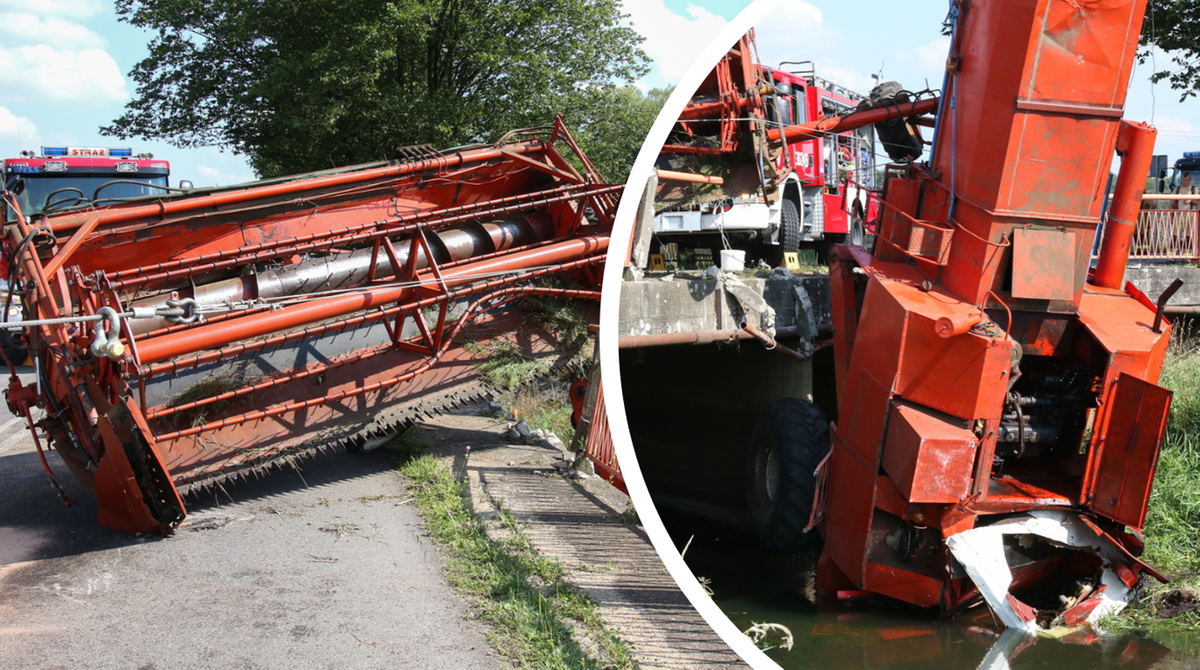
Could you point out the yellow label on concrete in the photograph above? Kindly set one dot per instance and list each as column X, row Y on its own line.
column 657, row 264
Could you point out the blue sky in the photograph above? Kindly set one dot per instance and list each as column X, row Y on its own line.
column 63, row 66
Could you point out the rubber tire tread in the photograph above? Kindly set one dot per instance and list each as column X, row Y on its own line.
column 789, row 226
column 800, row 433
column 858, row 232
column 15, row 352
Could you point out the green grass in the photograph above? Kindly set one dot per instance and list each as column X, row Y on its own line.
column 508, row 367
column 1173, row 522
column 539, row 620
column 547, row 410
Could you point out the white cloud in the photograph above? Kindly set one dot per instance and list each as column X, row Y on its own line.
column 932, row 56
column 43, row 72
column 918, row 63
column 844, row 75
column 17, row 133
column 795, row 31
column 1167, row 125
column 798, row 11
column 210, row 176
column 75, row 9
column 27, row 28
column 672, row 41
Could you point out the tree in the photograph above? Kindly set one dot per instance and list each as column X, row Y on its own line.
column 1174, row 27
column 611, row 124
column 298, row 85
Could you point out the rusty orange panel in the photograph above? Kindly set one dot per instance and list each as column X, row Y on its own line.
column 848, row 510
column 1039, row 93
column 894, row 581
column 1043, row 264
column 965, row 375
column 1125, row 449
column 872, row 372
column 1121, row 323
column 930, row 456
column 904, row 195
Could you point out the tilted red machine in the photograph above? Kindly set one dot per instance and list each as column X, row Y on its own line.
column 999, row 421
column 727, row 98
column 213, row 334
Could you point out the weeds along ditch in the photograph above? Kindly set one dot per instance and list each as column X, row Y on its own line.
column 538, row 619
column 535, row 388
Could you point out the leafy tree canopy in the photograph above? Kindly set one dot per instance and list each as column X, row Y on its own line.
column 610, row 123
column 1174, row 27
column 299, row 85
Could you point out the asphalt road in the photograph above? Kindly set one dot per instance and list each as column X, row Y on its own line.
column 329, row 567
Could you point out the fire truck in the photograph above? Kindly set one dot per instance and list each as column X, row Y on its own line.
column 772, row 197
column 1188, row 165
column 65, row 177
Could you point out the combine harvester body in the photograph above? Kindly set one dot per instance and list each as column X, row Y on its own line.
column 246, row 326
column 999, row 422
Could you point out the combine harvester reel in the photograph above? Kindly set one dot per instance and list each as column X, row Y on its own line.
column 183, row 340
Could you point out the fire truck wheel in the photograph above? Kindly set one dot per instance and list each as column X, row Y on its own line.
column 789, row 226
column 790, row 439
column 858, row 233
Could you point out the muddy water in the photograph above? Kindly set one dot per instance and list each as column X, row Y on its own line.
column 755, row 586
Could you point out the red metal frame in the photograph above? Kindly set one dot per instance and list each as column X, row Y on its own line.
column 600, row 450
column 444, row 241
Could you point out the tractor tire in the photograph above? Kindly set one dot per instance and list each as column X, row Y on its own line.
column 789, row 441
column 16, row 351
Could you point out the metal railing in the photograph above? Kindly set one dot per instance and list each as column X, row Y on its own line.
column 1165, row 234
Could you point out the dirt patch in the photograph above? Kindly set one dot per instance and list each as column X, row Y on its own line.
column 1172, row 603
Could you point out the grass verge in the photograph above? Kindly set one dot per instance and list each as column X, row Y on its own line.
column 539, row 620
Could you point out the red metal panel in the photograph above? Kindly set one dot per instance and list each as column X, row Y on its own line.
column 844, row 309
column 600, row 449
column 1121, row 326
column 1126, row 449
column 906, row 585
column 965, row 375
column 1043, row 264
column 1014, row 162
column 848, row 510
column 902, row 196
column 872, row 374
column 930, row 457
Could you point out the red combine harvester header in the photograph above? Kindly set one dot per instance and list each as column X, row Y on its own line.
column 186, row 339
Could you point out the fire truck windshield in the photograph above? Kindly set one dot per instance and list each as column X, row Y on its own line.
column 1177, row 178
column 33, row 198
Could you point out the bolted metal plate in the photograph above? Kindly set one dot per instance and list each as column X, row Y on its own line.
column 1043, row 264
